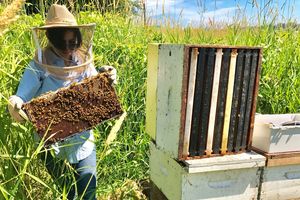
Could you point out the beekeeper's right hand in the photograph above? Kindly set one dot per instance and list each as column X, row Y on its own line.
column 14, row 106
column 111, row 71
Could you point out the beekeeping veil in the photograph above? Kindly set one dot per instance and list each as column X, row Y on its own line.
column 49, row 41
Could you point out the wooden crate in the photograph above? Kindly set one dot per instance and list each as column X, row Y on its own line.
column 81, row 106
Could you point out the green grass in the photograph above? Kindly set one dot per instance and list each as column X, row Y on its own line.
column 117, row 43
column 123, row 44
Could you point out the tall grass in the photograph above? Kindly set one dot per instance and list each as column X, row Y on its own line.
column 121, row 43
column 9, row 14
column 126, row 7
column 117, row 42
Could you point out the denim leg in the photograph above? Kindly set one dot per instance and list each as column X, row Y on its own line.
column 86, row 177
column 61, row 174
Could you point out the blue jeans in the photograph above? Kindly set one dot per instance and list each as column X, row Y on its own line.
column 80, row 179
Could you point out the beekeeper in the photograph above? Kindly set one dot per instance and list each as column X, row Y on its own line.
column 63, row 56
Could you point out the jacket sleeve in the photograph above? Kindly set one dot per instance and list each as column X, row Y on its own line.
column 30, row 83
column 91, row 70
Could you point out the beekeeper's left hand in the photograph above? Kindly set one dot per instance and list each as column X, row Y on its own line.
column 14, row 108
column 111, row 71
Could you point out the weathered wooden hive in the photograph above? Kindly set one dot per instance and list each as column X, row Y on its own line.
column 81, row 106
column 201, row 99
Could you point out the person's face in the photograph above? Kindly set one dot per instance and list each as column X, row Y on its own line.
column 70, row 42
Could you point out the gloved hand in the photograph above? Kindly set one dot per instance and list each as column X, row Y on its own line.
column 111, row 71
column 14, row 108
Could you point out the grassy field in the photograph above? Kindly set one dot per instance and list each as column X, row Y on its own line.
column 120, row 42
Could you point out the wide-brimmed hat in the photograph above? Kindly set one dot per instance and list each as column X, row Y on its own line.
column 47, row 55
column 60, row 16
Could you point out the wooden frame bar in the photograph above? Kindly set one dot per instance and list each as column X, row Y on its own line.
column 190, row 100
column 229, row 97
column 235, row 100
column 204, row 120
column 198, row 99
column 213, row 104
column 243, row 101
column 254, row 62
column 221, row 106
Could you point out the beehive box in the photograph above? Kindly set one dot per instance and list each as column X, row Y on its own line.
column 281, row 177
column 281, row 183
column 201, row 99
column 81, row 106
column 233, row 177
column 277, row 133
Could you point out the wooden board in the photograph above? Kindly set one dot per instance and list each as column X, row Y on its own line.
column 190, row 100
column 221, row 102
column 283, row 161
column 213, row 102
column 151, row 96
column 170, row 73
column 79, row 107
column 207, row 93
column 234, row 117
column 250, row 96
column 278, row 159
column 242, row 102
column 197, row 107
column 228, row 103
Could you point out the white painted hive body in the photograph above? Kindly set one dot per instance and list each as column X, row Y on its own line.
column 281, row 183
column 234, row 177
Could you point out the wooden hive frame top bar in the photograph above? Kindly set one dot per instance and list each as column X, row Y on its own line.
column 222, row 46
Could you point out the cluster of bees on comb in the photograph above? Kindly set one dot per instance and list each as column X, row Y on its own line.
column 74, row 109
